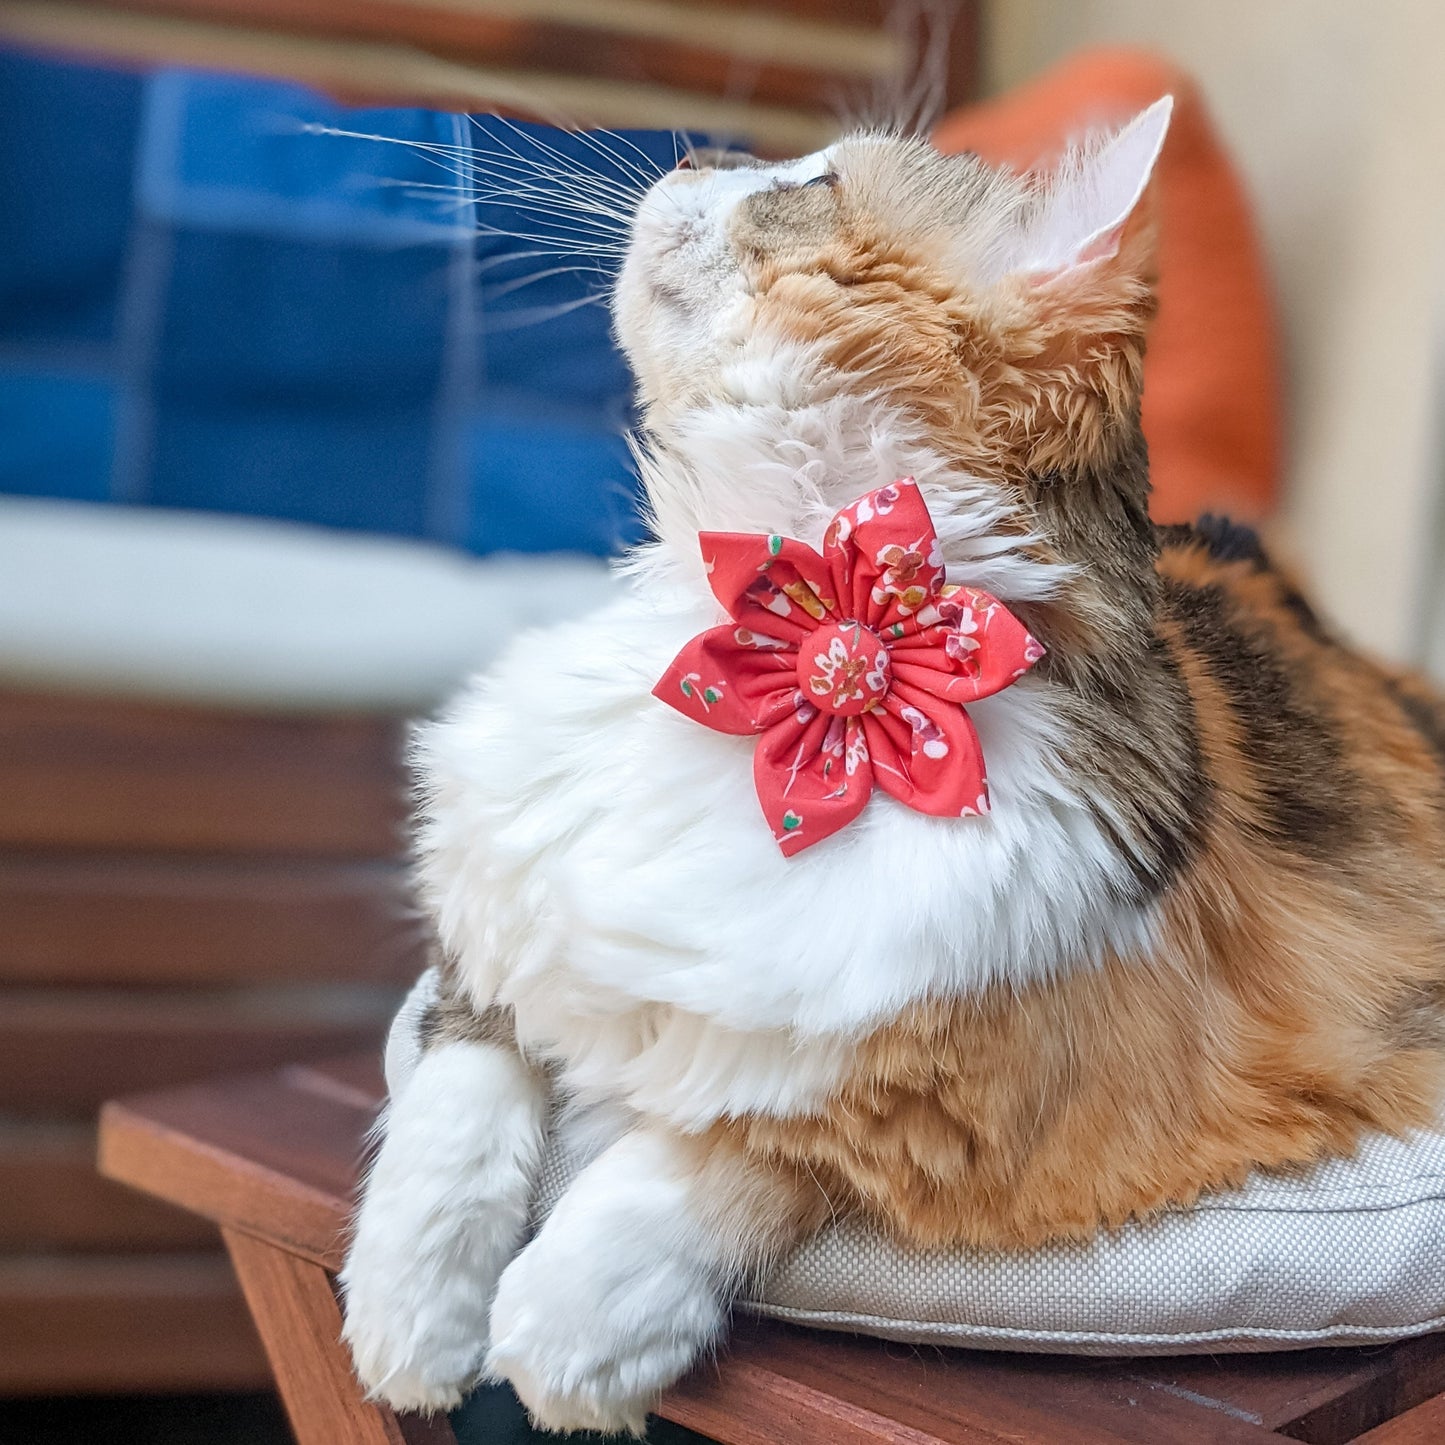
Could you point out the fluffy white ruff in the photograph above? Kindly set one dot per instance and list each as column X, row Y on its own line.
column 601, row 863
column 444, row 1210
column 621, row 1290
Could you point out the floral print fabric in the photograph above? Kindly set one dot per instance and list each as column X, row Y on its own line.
column 852, row 667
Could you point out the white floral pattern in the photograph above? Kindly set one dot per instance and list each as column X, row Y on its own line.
column 863, row 656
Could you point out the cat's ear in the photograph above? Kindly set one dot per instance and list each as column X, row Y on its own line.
column 1087, row 203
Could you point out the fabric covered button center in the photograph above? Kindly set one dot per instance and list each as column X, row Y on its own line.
column 843, row 668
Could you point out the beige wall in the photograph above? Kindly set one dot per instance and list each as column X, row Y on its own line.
column 1336, row 110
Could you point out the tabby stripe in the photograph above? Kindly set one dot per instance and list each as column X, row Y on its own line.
column 1312, row 800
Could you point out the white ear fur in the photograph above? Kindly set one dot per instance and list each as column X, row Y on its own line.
column 1092, row 195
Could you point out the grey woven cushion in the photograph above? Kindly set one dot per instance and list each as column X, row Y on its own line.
column 1348, row 1252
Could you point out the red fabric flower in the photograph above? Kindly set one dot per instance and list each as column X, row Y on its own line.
column 853, row 667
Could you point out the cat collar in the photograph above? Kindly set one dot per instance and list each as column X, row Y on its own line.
column 852, row 667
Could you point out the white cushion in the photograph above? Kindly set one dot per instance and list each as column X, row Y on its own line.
column 215, row 609
column 1344, row 1253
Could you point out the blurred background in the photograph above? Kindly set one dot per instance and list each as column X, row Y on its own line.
column 296, row 427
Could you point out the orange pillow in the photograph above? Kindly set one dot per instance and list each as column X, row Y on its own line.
column 1211, row 375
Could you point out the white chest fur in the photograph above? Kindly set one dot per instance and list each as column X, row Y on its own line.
column 600, row 864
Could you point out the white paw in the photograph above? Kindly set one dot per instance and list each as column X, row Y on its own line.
column 590, row 1334
column 417, row 1337
column 442, row 1213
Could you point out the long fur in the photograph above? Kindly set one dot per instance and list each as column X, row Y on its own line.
column 1200, row 931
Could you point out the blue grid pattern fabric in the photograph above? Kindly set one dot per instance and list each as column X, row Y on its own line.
column 204, row 303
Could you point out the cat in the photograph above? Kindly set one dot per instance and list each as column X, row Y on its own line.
column 1201, row 931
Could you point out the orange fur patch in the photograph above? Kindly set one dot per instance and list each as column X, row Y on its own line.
column 1013, row 382
column 1291, row 1002
column 1287, row 1007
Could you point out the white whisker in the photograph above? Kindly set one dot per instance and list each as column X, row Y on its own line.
column 505, row 288
column 505, row 258
column 576, row 208
column 534, row 199
column 531, row 165
column 571, row 246
column 620, row 162
column 535, row 316
column 647, row 176
column 561, row 216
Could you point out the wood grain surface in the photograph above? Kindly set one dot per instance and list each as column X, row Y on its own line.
column 64, row 1052
column 785, row 76
column 111, row 774
column 199, row 921
column 276, row 1156
column 295, row 1307
column 97, row 1324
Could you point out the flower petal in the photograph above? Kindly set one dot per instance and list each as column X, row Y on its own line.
column 883, row 553
column 927, row 754
column 774, row 585
column 731, row 680
column 970, row 646
column 812, row 778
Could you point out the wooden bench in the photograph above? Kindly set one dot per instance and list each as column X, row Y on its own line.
column 183, row 890
column 273, row 1159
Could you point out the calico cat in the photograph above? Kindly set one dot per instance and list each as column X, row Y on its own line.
column 1201, row 930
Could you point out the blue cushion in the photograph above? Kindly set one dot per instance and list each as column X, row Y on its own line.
column 57, row 432
column 67, row 151
column 206, row 303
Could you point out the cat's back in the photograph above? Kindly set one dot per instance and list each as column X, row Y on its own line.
column 1289, row 994
column 1311, row 745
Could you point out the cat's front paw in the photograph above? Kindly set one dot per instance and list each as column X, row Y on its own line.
column 410, row 1355
column 416, row 1321
column 590, row 1331
column 442, row 1213
column 417, row 1336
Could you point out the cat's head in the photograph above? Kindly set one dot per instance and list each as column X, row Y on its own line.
column 1004, row 313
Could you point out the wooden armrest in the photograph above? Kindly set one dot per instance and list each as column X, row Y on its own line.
column 273, row 1158
column 771, row 70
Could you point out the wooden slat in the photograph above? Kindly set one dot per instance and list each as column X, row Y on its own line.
column 642, row 41
column 277, row 1155
column 844, row 37
column 947, row 1395
column 199, row 921
column 87, row 773
column 746, row 31
column 1424, row 1425
column 165, row 1323
column 62, row 1053
column 746, row 1403
column 52, row 1198
column 385, row 72
column 270, row 1154
column 358, row 1075
column 1324, row 1396
column 295, row 1310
